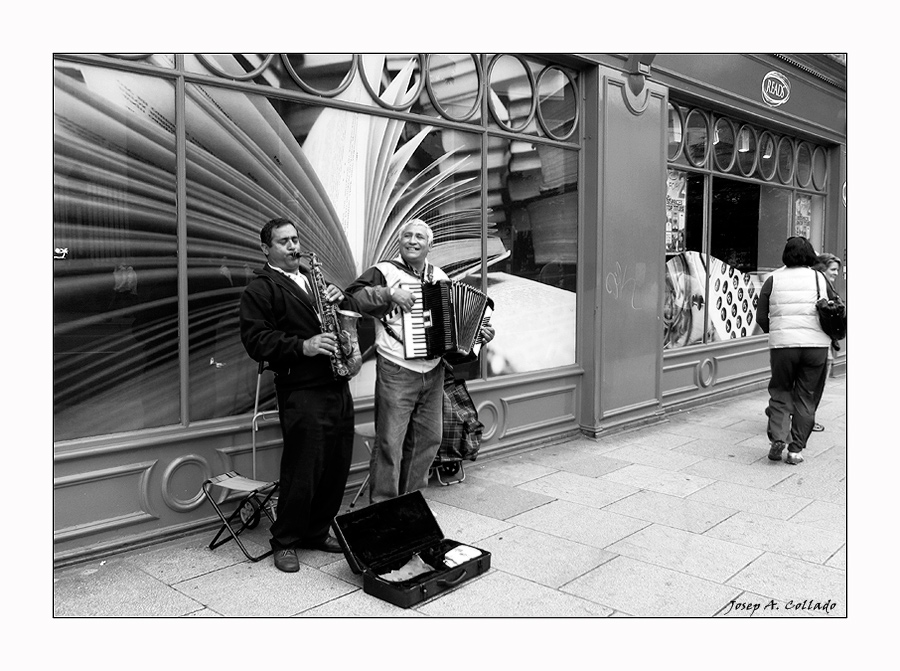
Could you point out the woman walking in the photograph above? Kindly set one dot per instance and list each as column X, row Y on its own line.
column 798, row 348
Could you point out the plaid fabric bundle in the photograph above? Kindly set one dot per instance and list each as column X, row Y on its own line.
column 462, row 430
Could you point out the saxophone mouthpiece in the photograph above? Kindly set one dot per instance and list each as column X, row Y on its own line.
column 296, row 255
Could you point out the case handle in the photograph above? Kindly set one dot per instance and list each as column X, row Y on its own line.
column 452, row 581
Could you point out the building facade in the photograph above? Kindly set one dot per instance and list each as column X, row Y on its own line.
column 622, row 210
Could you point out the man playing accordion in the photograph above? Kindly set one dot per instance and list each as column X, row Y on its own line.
column 408, row 391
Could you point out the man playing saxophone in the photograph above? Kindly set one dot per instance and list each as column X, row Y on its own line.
column 282, row 324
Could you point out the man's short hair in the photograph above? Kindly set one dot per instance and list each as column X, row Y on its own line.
column 265, row 233
column 428, row 232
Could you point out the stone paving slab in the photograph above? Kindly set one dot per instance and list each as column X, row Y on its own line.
column 645, row 590
column 488, row 498
column 261, row 590
column 794, row 580
column 683, row 551
column 511, row 471
column 359, row 604
column 582, row 524
column 542, row 558
column 500, row 594
column 751, row 499
column 638, row 453
column 659, row 480
column 596, row 492
column 823, row 515
column 464, row 525
column 672, row 511
column 117, row 588
column 739, row 453
column 658, row 438
column 823, row 488
column 787, row 538
column 762, row 475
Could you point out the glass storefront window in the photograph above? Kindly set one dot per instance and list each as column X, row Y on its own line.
column 504, row 211
column 716, row 263
column 676, row 132
column 115, row 307
column 723, row 144
column 533, row 285
column 696, row 141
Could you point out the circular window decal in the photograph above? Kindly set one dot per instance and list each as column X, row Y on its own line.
column 332, row 73
column 723, row 144
column 804, row 164
column 512, row 92
column 746, row 150
column 819, row 168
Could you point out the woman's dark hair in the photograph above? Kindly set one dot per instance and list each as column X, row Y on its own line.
column 265, row 234
column 798, row 252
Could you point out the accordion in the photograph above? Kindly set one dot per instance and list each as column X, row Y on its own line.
column 447, row 317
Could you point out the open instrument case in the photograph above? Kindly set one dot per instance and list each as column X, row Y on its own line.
column 385, row 537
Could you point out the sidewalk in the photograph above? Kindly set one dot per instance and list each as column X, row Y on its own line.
column 684, row 518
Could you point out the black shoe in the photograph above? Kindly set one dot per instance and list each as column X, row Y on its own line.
column 818, row 427
column 286, row 560
column 327, row 544
column 776, row 450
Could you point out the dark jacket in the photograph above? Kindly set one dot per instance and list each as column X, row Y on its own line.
column 276, row 317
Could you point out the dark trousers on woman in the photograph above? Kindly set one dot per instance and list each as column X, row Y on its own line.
column 798, row 378
column 317, row 426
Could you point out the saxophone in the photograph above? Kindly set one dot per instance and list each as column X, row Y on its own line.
column 347, row 360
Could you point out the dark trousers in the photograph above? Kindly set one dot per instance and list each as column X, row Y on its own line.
column 798, row 378
column 317, row 426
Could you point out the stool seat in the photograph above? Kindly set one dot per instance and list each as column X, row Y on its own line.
column 366, row 430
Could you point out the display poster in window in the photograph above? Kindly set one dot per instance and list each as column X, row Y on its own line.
column 676, row 190
column 802, row 215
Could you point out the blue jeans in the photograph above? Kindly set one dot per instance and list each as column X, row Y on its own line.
column 408, row 426
column 798, row 378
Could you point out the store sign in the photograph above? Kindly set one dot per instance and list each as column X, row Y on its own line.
column 776, row 89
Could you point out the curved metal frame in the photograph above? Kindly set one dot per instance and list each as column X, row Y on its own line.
column 354, row 65
column 126, row 57
column 759, row 159
column 536, row 92
column 239, row 78
column 687, row 153
column 816, row 185
column 803, row 184
column 386, row 105
column 432, row 96
column 790, row 177
column 530, row 75
column 680, row 148
column 755, row 136
column 731, row 159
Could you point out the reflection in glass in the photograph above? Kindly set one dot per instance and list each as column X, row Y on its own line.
column 115, row 342
column 455, row 84
column 820, row 168
column 327, row 169
column 768, row 162
column 723, row 144
column 393, row 81
column 557, row 103
column 785, row 160
column 684, row 310
column 320, row 74
column 746, row 150
column 534, row 286
column 675, row 132
column 804, row 164
column 511, row 94
column 696, row 138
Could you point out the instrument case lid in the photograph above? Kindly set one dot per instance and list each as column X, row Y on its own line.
column 384, row 531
